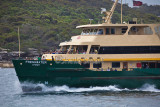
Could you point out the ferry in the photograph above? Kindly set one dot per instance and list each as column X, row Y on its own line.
column 126, row 55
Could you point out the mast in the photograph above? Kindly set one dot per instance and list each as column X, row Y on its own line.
column 110, row 13
column 121, row 11
column 19, row 42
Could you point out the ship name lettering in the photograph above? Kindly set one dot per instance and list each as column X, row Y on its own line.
column 36, row 62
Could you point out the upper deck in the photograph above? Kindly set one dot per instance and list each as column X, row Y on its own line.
column 117, row 35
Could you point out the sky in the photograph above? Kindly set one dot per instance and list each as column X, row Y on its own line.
column 149, row 2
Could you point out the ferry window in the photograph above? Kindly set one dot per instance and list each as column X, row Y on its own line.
column 100, row 32
column 140, row 30
column 158, row 65
column 94, row 49
column 85, row 64
column 149, row 65
column 97, row 65
column 148, row 30
column 64, row 49
column 112, row 31
column 152, row 65
column 107, row 30
column 129, row 50
column 115, row 64
column 157, row 30
column 87, row 32
column 82, row 32
column 95, row 31
column 91, row 32
column 124, row 30
column 79, row 49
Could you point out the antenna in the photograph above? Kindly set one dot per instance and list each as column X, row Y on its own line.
column 90, row 21
column 121, row 12
column 19, row 43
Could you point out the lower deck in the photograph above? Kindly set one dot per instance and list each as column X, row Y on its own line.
column 120, row 66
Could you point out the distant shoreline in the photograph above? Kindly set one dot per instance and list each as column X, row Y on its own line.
column 6, row 64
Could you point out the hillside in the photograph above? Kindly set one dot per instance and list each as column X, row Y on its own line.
column 45, row 23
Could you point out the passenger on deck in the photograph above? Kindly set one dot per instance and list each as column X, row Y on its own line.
column 77, row 52
column 108, row 69
column 56, row 52
column 97, row 69
column 95, row 51
column 147, row 66
column 101, row 69
column 52, row 58
column 111, row 69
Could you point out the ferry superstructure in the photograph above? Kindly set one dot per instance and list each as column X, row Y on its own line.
column 127, row 45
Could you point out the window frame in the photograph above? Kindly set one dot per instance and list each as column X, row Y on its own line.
column 97, row 65
column 116, row 63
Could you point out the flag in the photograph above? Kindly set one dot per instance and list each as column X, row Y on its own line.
column 137, row 3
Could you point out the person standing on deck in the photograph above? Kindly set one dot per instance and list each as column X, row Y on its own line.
column 108, row 69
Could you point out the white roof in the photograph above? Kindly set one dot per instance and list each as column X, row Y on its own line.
column 105, row 24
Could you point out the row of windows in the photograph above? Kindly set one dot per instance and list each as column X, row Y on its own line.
column 117, row 65
column 129, row 50
column 99, row 65
column 134, row 30
column 92, row 32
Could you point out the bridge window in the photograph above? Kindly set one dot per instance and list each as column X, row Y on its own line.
column 116, row 30
column 140, row 30
column 100, row 32
column 112, row 31
column 92, row 32
column 157, row 31
column 107, row 31
column 95, row 31
column 124, row 30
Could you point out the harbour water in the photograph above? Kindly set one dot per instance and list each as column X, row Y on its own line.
column 11, row 95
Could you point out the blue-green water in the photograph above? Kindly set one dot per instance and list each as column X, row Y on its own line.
column 11, row 95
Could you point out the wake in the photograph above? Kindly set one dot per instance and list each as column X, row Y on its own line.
column 31, row 88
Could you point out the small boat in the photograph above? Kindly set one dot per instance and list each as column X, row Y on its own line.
column 126, row 55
